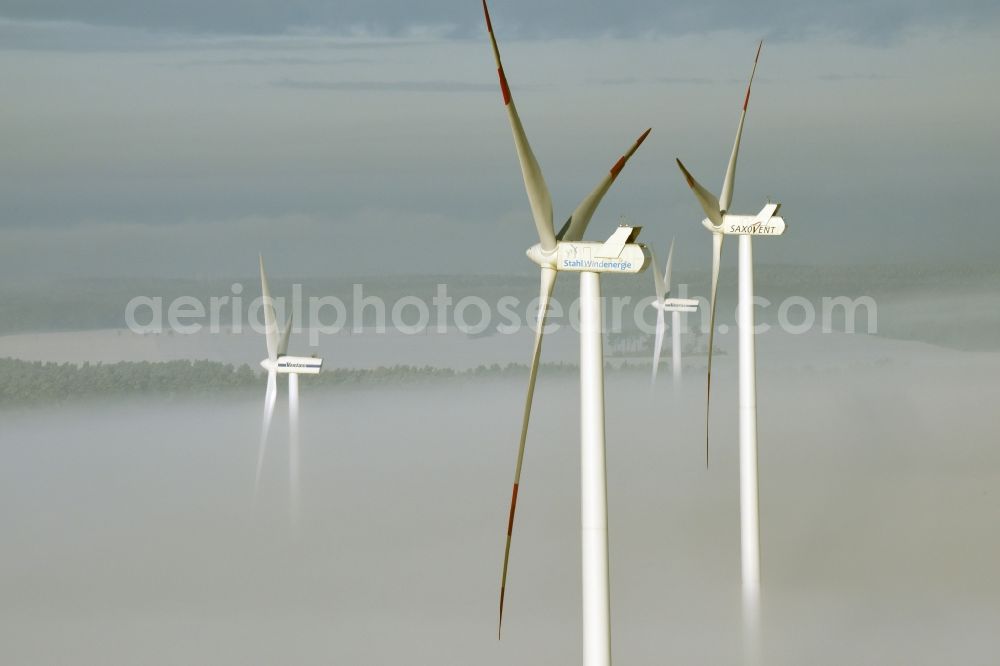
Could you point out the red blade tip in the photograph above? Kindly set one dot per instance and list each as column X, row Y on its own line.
column 504, row 88
column 620, row 164
column 486, row 11
column 503, row 590
column 513, row 507
column 746, row 100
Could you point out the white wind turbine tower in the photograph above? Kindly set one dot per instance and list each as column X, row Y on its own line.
column 675, row 306
column 565, row 251
column 721, row 222
column 278, row 362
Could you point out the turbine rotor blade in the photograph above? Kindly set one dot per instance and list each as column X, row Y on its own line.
column 726, row 197
column 534, row 182
column 657, row 348
column 669, row 268
column 658, row 284
column 576, row 226
column 708, row 202
column 270, row 398
column 270, row 321
column 283, row 339
column 716, row 263
column 548, row 280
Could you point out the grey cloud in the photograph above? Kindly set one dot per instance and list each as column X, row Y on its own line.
column 836, row 78
column 623, row 81
column 387, row 86
column 693, row 80
column 271, row 61
column 99, row 138
column 674, row 80
column 74, row 36
column 77, row 36
column 774, row 18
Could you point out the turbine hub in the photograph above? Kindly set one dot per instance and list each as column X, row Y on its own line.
column 707, row 223
column 541, row 257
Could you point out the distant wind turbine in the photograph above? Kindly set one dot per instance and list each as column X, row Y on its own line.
column 675, row 306
column 278, row 362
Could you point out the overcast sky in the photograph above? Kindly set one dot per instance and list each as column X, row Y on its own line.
column 181, row 138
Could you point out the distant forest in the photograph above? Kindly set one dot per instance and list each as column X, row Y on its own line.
column 27, row 382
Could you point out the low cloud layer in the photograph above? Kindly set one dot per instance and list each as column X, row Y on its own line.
column 133, row 525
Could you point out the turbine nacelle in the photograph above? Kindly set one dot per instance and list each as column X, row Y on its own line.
column 676, row 305
column 618, row 254
column 764, row 223
column 297, row 365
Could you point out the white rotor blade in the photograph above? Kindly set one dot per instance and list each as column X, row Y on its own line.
column 669, row 268
column 283, row 340
column 716, row 263
column 726, row 197
column 576, row 225
column 293, row 448
column 658, row 284
column 270, row 397
column 708, row 202
column 534, row 182
column 660, row 325
column 270, row 321
column 548, row 280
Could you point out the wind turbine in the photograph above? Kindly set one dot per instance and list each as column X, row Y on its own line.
column 720, row 222
column 278, row 362
column 675, row 306
column 565, row 251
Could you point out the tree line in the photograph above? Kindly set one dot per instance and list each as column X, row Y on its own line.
column 37, row 382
